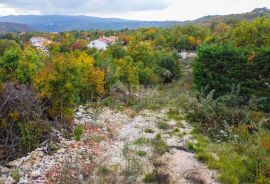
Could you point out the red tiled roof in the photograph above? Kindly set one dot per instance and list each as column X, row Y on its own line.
column 110, row 39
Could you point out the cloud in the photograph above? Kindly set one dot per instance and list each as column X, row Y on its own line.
column 85, row 6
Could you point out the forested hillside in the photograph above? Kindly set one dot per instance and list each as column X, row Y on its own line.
column 8, row 27
column 233, row 18
column 122, row 114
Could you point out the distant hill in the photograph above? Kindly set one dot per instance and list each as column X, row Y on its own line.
column 208, row 20
column 9, row 27
column 59, row 23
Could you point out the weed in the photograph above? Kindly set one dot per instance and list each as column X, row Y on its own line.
column 141, row 141
column 78, row 131
column 163, row 125
column 133, row 166
column 191, row 147
column 149, row 131
column 180, row 124
column 159, row 145
column 174, row 115
column 103, row 170
column 97, row 138
column 15, row 175
column 141, row 153
column 204, row 157
column 150, row 178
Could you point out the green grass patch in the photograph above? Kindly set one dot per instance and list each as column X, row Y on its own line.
column 204, row 157
column 141, row 141
column 141, row 153
column 246, row 161
column 163, row 125
column 159, row 145
column 191, row 147
column 174, row 115
column 150, row 178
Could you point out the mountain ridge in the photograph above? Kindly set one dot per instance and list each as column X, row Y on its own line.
column 11, row 27
column 60, row 23
column 249, row 16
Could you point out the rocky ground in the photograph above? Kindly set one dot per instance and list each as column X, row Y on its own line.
column 117, row 147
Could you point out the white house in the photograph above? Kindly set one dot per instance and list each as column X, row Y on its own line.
column 102, row 43
column 41, row 43
column 185, row 54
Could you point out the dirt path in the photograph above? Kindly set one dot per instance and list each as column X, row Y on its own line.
column 133, row 152
column 117, row 147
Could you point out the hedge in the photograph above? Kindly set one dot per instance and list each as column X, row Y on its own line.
column 224, row 67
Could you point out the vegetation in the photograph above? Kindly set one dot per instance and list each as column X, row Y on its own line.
column 226, row 97
column 78, row 131
column 229, row 102
column 223, row 68
column 150, row 178
column 159, row 145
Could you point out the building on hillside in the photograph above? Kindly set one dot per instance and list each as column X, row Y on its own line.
column 103, row 42
column 41, row 43
column 185, row 54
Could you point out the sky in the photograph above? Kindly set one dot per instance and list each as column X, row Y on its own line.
column 131, row 9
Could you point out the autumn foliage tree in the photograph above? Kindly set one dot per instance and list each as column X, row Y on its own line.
column 67, row 79
column 252, row 34
column 10, row 56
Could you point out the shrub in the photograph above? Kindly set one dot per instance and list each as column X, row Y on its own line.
column 265, row 141
column 150, row 178
column 218, row 116
column 32, row 134
column 22, row 127
column 141, row 141
column 163, row 125
column 221, row 67
column 159, row 145
column 78, row 131
column 141, row 153
column 15, row 175
column 149, row 131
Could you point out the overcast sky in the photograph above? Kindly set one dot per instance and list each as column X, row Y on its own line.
column 132, row 9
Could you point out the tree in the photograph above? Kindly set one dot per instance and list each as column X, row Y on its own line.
column 68, row 79
column 221, row 28
column 126, row 72
column 170, row 66
column 10, row 56
column 117, row 51
column 31, row 62
column 254, row 34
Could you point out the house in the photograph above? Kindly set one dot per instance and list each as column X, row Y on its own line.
column 41, row 43
column 185, row 54
column 103, row 42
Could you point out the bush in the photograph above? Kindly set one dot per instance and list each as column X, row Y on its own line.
column 78, row 131
column 159, row 145
column 163, row 125
column 219, row 116
column 150, row 178
column 222, row 67
column 22, row 127
column 32, row 134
